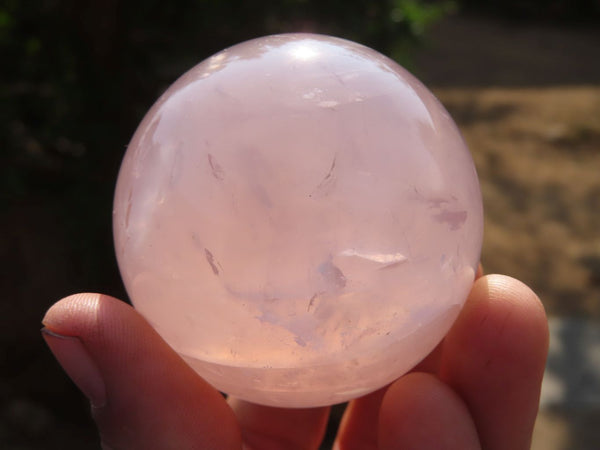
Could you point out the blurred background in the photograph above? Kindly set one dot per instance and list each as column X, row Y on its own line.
column 521, row 78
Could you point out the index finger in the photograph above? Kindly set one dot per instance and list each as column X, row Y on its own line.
column 494, row 358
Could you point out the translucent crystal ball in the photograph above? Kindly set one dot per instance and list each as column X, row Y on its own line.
column 299, row 218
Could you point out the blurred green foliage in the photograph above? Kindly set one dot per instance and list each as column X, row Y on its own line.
column 572, row 12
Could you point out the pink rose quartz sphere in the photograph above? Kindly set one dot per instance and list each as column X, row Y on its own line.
column 300, row 219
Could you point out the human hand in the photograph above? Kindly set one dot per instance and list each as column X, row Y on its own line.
column 478, row 390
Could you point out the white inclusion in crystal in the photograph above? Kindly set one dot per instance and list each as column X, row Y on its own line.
column 313, row 94
column 328, row 103
column 385, row 259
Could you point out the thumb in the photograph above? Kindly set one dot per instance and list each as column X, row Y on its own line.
column 143, row 395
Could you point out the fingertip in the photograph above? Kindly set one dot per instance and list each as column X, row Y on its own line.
column 69, row 314
column 494, row 358
column 502, row 314
column 507, row 289
column 268, row 427
column 153, row 399
column 358, row 427
column 420, row 412
column 76, row 361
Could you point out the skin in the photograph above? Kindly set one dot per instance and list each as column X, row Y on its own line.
column 478, row 390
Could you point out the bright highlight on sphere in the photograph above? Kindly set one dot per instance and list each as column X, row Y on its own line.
column 300, row 219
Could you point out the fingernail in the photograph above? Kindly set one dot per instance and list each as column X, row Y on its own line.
column 79, row 365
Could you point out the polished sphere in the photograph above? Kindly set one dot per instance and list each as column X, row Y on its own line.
column 299, row 218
